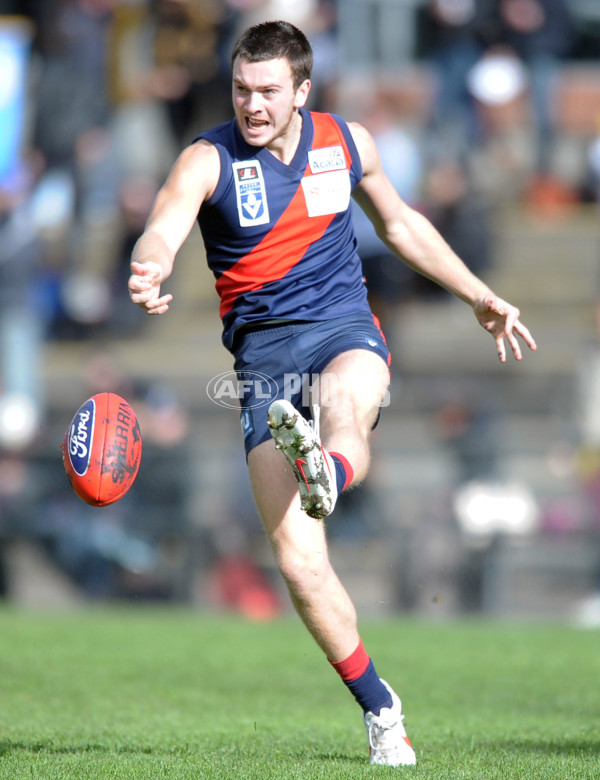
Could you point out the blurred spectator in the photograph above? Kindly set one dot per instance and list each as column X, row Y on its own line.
column 22, row 323
column 488, row 55
column 15, row 43
column 71, row 131
column 191, row 77
column 144, row 139
column 237, row 583
column 453, row 49
column 468, row 435
column 322, row 31
column 388, row 281
column 486, row 506
column 503, row 163
column 136, row 197
column 541, row 33
column 72, row 94
column 461, row 216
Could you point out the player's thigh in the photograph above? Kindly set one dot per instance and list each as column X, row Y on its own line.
column 292, row 533
column 354, row 384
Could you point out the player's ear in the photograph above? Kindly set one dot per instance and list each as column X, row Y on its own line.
column 302, row 94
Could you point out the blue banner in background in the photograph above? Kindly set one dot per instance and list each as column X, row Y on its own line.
column 15, row 42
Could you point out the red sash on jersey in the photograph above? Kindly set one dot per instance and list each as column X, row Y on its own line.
column 289, row 239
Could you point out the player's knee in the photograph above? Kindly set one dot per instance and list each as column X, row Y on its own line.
column 303, row 570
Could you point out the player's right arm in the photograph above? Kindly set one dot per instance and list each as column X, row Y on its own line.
column 191, row 181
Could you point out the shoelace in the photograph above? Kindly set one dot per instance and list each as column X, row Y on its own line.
column 315, row 423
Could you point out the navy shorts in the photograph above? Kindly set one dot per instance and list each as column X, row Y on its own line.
column 277, row 361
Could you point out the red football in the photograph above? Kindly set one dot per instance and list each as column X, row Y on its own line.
column 102, row 449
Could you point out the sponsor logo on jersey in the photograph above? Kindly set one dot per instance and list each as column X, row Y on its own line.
column 251, row 194
column 327, row 193
column 329, row 159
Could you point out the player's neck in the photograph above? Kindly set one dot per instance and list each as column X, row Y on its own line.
column 285, row 145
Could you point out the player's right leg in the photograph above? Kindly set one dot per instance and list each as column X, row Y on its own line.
column 323, row 604
column 300, row 548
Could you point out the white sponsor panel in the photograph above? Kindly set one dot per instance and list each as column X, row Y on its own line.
column 327, row 193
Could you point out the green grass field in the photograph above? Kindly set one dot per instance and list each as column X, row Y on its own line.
column 146, row 693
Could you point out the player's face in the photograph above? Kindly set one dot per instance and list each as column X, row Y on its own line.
column 265, row 101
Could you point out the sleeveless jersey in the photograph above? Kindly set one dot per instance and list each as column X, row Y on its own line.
column 279, row 238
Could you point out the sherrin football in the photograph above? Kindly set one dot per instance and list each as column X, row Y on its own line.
column 102, row 449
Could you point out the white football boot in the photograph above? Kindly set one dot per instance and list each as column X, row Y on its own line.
column 388, row 743
column 312, row 465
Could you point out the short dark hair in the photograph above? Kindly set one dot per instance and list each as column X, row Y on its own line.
column 273, row 41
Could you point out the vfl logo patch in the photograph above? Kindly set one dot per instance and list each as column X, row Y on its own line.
column 329, row 159
column 80, row 437
column 250, row 193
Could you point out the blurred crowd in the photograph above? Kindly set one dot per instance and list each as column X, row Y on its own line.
column 489, row 120
column 98, row 96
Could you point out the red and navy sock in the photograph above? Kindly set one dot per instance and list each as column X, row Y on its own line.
column 344, row 473
column 358, row 673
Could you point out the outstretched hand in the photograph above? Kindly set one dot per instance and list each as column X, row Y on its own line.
column 144, row 287
column 501, row 320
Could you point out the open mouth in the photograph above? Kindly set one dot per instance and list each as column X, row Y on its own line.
column 255, row 124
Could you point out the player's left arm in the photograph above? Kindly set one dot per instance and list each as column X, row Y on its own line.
column 413, row 238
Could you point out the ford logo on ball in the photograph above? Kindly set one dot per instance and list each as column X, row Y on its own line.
column 80, row 437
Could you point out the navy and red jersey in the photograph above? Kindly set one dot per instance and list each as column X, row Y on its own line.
column 279, row 238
